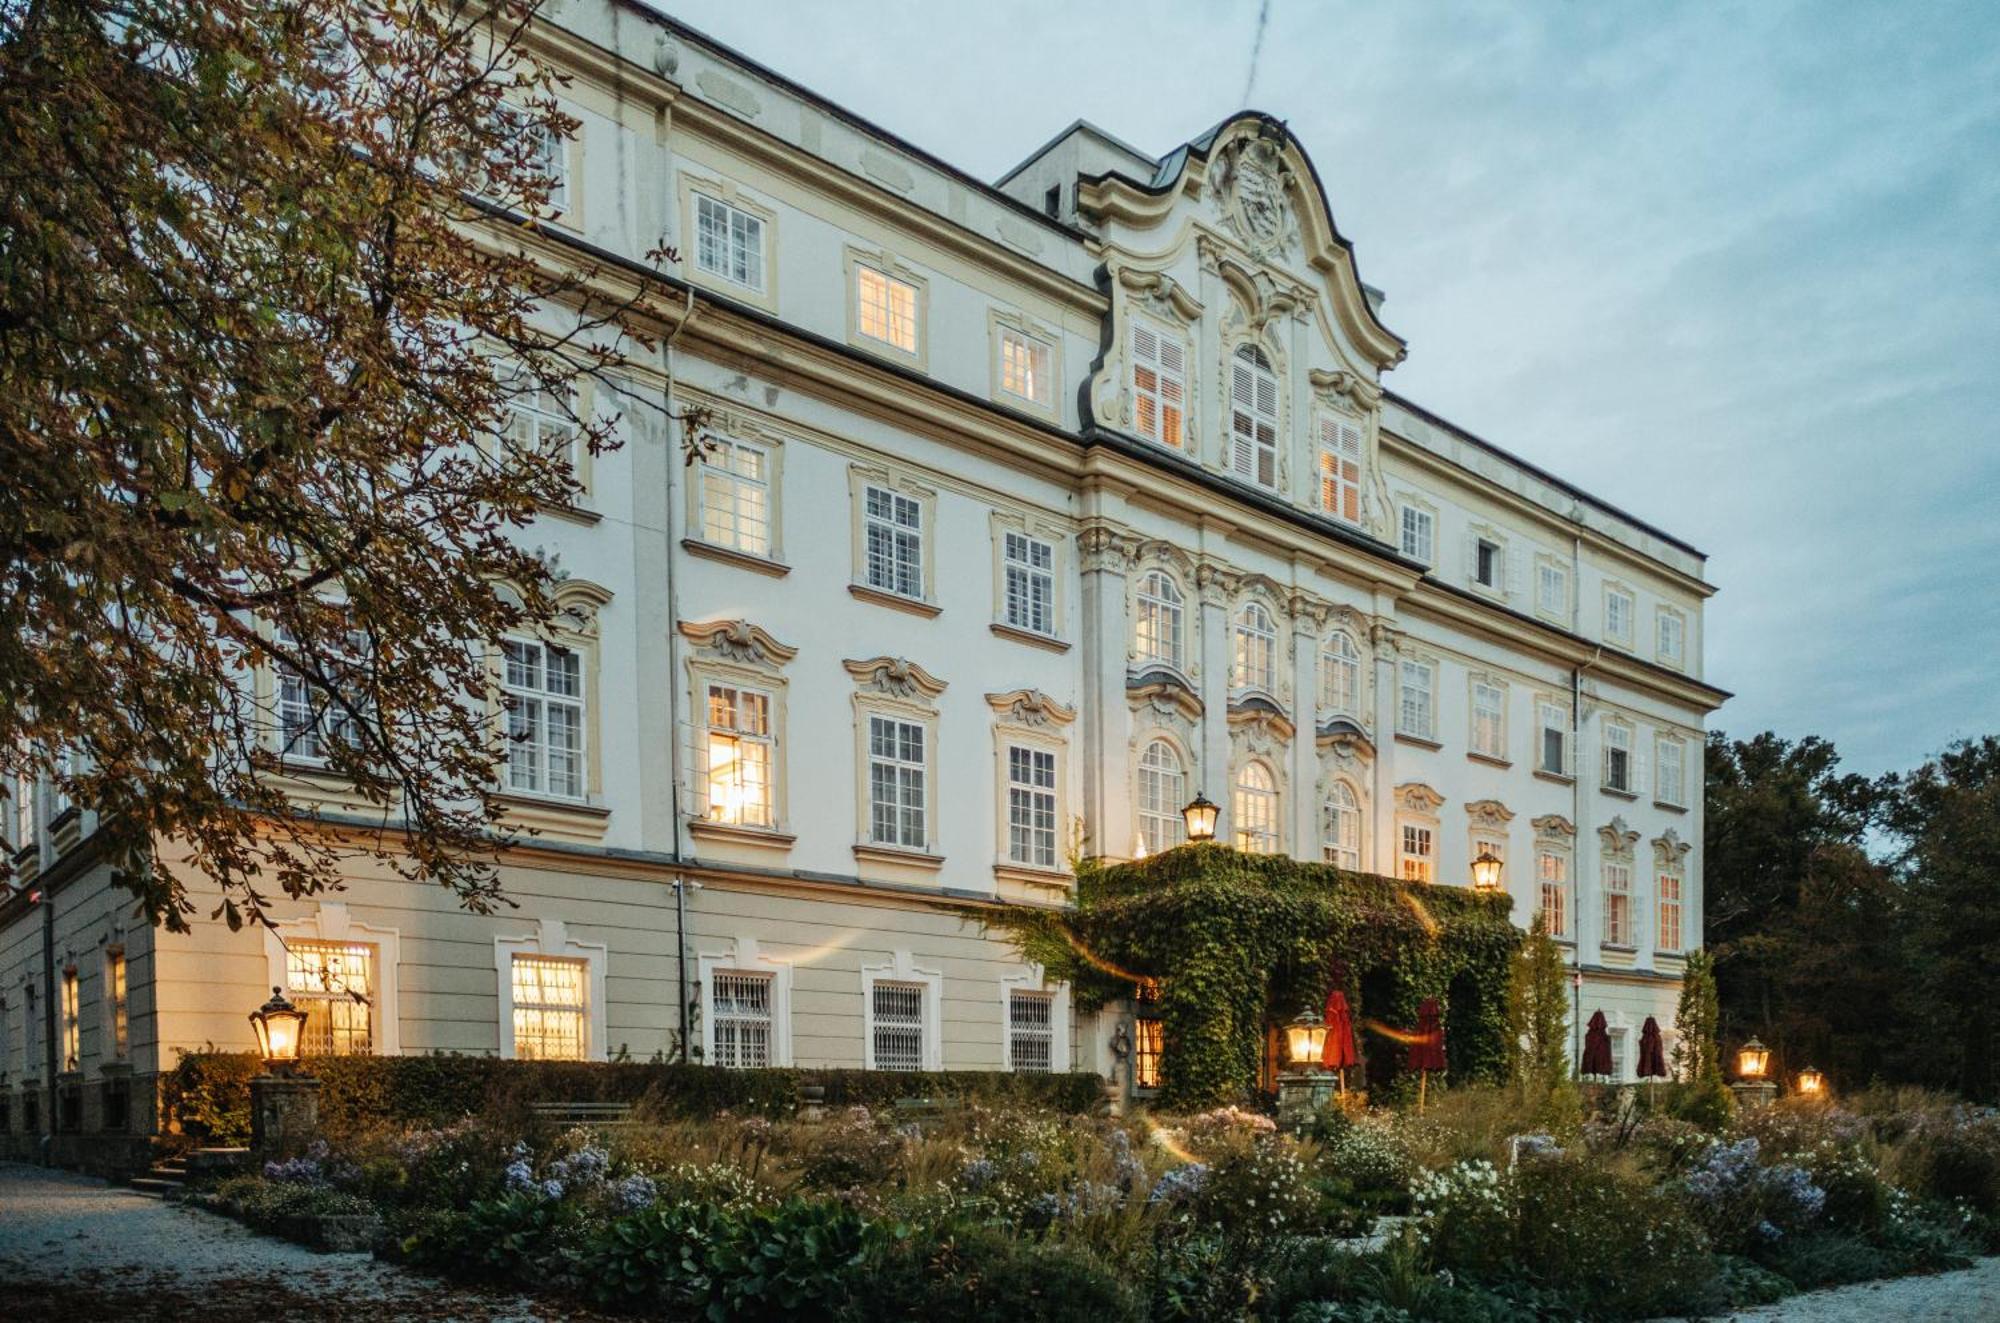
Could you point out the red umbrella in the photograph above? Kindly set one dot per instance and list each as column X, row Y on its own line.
column 1339, row 1052
column 1427, row 1048
column 1596, row 1046
column 1652, row 1052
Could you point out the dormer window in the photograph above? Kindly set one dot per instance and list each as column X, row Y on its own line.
column 1159, row 385
column 1253, row 417
column 1340, row 469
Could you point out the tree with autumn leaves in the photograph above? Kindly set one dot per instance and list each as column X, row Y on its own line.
column 267, row 292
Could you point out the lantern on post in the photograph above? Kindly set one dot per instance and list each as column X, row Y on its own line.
column 1199, row 815
column 1753, row 1088
column 284, row 1105
column 1305, row 1041
column 1752, row 1060
column 1486, row 872
column 280, row 1030
column 1812, row 1084
column 1303, row 1087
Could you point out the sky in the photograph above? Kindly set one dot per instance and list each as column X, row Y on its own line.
column 1734, row 268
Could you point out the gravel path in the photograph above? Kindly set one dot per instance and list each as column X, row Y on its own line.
column 74, row 1248
column 1970, row 1296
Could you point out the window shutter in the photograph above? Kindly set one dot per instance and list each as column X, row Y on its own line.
column 1472, row 558
column 1510, row 572
column 1638, row 767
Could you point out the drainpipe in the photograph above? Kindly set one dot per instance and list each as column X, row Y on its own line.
column 1576, row 791
column 51, row 1049
column 673, row 686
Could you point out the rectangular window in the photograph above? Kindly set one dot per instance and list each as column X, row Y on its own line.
column 544, row 700
column 898, row 1026
column 1340, row 469
column 1031, row 1030
column 72, row 1022
column 1416, row 713
column 734, row 480
column 1618, row 758
column 893, row 533
column 1419, row 859
column 1617, row 1054
column 1618, row 613
column 1554, row 751
column 312, row 719
column 1031, row 807
column 1159, row 385
column 1672, row 631
column 729, row 242
column 1419, row 534
column 1253, row 419
column 334, row 984
column 1489, row 719
column 1553, row 871
column 740, row 1007
column 896, row 783
column 551, row 157
column 1024, row 367
column 739, row 757
column 1672, row 776
column 1149, row 1043
column 1618, row 904
column 1486, row 564
column 118, row 1018
column 551, row 1008
column 1552, row 590
column 31, row 1036
column 1030, row 583
column 540, row 422
column 886, row 308
column 1670, row 936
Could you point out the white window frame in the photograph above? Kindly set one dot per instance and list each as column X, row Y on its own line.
column 1553, row 890
column 300, row 732
column 1487, row 735
column 1256, row 818
column 1416, row 850
column 902, row 969
column 1342, row 493
column 903, row 543
column 1169, row 791
column 538, row 423
column 1553, row 717
column 745, row 956
column 1670, row 752
column 1339, row 675
column 1034, row 804
column 1618, row 740
column 331, row 921
column 539, row 700
column 1166, row 397
column 743, row 737
column 889, row 318
column 1028, row 583
column 1253, row 658
column 1340, row 826
column 1027, row 367
column 1664, row 880
column 1498, row 583
column 1416, row 699
column 551, row 940
column 734, row 509
column 1613, row 593
column 1417, row 528
column 1670, row 637
column 897, row 761
column 1157, row 612
column 1552, row 590
column 1254, row 423
column 1618, row 919
column 742, row 255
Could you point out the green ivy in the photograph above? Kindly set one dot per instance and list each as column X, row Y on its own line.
column 1238, row 940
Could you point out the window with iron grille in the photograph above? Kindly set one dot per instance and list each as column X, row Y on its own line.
column 551, row 1007
column 896, row 773
column 1030, row 583
column 1031, row 806
column 740, row 1019
column 334, row 984
column 893, row 537
column 1030, row 1030
column 898, row 1025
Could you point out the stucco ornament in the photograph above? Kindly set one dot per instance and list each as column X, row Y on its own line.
column 1254, row 180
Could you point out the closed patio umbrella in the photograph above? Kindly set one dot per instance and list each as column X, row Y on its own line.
column 1596, row 1046
column 1339, row 1052
column 1652, row 1052
column 1427, row 1048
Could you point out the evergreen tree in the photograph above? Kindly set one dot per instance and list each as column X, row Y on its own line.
column 1537, row 1015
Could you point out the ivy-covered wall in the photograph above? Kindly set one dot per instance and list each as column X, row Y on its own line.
column 1236, row 941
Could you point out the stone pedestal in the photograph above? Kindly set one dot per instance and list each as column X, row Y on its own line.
column 1754, row 1093
column 811, row 1107
column 284, row 1115
column 1301, row 1094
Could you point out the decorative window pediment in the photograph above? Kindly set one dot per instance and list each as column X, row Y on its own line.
column 737, row 641
column 1029, row 707
column 1416, row 797
column 1670, row 850
column 1489, row 815
column 895, row 677
column 1618, row 839
column 1554, row 829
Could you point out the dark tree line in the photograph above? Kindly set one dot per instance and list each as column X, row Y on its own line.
column 1855, row 923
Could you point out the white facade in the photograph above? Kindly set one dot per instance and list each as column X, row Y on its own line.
column 1029, row 512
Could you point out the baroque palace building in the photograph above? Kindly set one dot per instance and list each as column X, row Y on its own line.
column 1033, row 509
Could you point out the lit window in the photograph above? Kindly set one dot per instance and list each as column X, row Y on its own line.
column 734, row 479
column 1159, row 619
column 1149, row 1041
column 1419, row 534
column 1340, row 469
column 1488, row 563
column 1031, row 807
column 1255, row 663
column 1162, row 792
column 1024, row 367
column 1617, row 757
column 896, row 783
column 1552, row 590
column 1618, row 904
column 1253, row 417
column 1030, row 581
column 739, row 756
column 729, row 242
column 1339, row 676
column 540, row 422
column 550, row 1008
column 1159, row 385
column 1489, row 719
column 898, row 1025
column 1672, row 637
column 544, row 700
column 893, row 532
column 334, row 984
column 1554, row 751
column 1417, row 711
column 886, row 308
column 1670, row 912
column 72, row 1022
column 1618, row 613
column 1418, row 857
column 1672, row 774
column 312, row 718
column 1552, row 870
column 1253, row 810
column 740, row 1007
column 117, row 1006
column 1340, row 828
column 1030, row 1031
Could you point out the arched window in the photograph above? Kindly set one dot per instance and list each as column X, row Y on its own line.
column 1255, row 665
column 1253, row 809
column 1162, row 792
column 1253, row 417
column 1340, row 827
column 1159, row 624
column 1339, row 676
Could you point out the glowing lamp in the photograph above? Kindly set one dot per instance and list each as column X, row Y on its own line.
column 1812, row 1084
column 1199, row 815
column 1486, row 872
column 280, row 1030
column 1752, row 1059
column 1305, row 1040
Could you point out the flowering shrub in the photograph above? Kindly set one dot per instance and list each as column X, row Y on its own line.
column 1258, row 1192
column 1744, row 1204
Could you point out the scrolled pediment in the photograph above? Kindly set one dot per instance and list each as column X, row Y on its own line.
column 1490, row 814
column 896, row 677
column 1618, row 838
column 1554, row 826
column 1165, row 690
column 737, row 641
column 1260, row 712
column 1670, row 849
column 1030, row 707
column 1416, row 797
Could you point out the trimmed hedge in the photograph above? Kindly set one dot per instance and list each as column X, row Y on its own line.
column 208, row 1094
